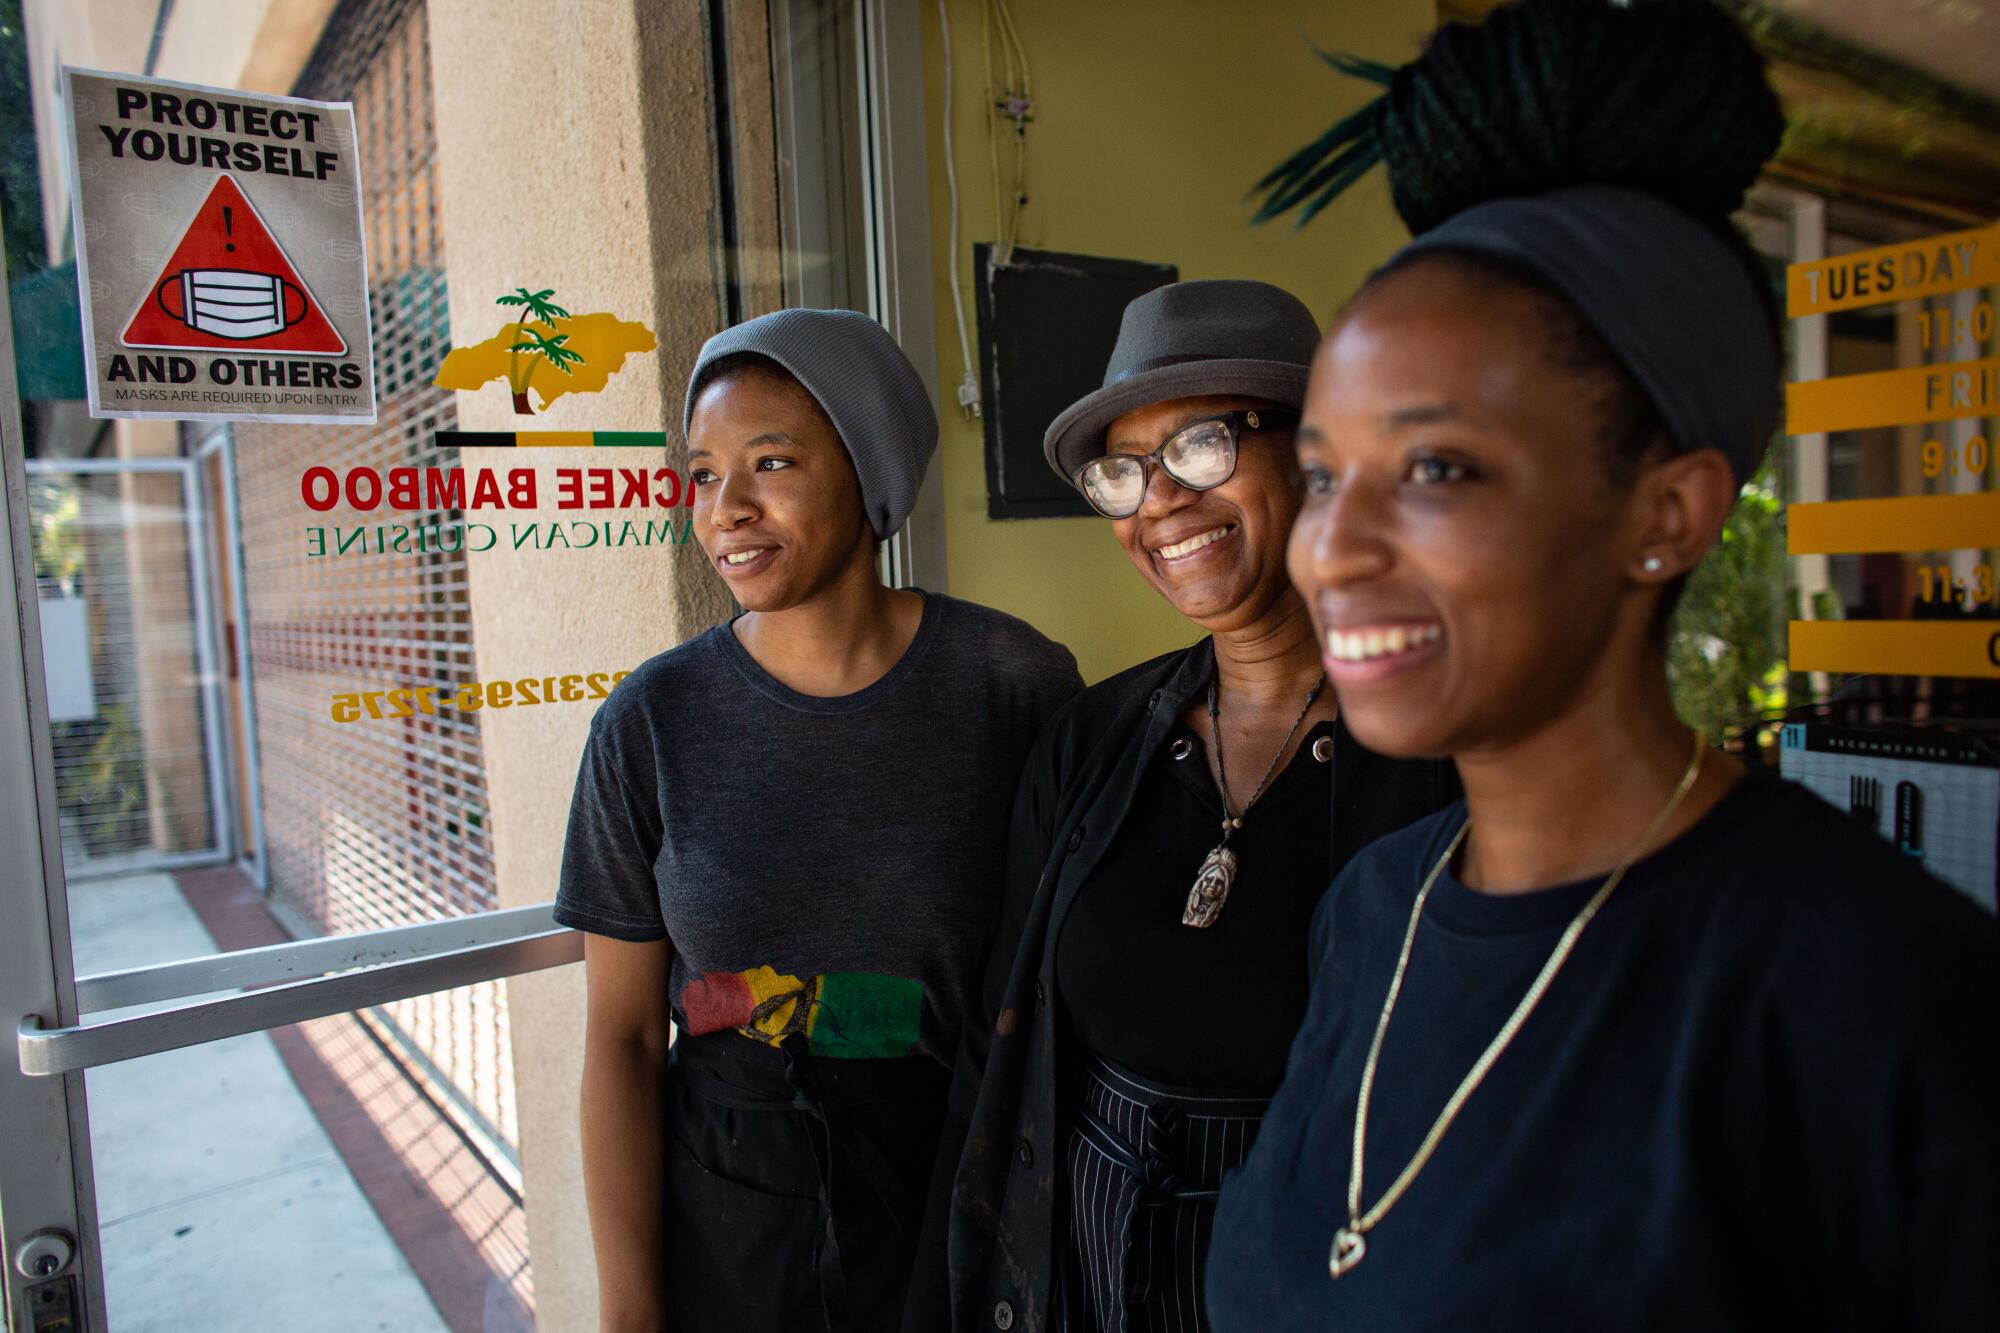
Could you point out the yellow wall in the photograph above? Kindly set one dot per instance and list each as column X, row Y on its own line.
column 1150, row 124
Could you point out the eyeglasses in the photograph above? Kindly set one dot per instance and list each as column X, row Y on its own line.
column 1200, row 456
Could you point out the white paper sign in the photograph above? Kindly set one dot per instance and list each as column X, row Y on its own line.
column 221, row 264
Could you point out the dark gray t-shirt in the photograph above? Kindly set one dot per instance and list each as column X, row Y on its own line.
column 829, row 868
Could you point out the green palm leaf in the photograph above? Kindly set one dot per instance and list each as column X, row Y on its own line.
column 550, row 349
column 1314, row 175
column 538, row 303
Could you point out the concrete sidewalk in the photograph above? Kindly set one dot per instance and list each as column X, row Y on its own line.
column 223, row 1205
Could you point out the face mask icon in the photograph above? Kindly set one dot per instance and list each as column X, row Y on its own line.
column 231, row 303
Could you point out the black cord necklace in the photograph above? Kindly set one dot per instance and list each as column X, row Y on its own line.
column 1218, row 870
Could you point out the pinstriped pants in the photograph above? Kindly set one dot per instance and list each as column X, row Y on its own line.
column 1145, row 1162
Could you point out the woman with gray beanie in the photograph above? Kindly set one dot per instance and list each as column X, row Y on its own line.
column 1635, row 1037
column 1174, row 828
column 784, row 844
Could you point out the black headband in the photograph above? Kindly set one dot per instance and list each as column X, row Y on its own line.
column 1669, row 296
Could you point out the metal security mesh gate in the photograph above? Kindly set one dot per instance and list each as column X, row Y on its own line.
column 127, row 652
column 382, row 820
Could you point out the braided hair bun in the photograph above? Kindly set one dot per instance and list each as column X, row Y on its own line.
column 1668, row 97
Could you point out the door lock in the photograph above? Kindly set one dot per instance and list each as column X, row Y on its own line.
column 44, row 1254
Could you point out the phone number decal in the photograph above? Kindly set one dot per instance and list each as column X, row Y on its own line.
column 426, row 700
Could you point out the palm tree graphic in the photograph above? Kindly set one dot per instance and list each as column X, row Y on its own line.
column 550, row 347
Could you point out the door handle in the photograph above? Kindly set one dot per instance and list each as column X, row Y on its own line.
column 43, row 1051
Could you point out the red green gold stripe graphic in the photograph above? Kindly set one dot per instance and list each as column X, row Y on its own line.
column 841, row 1015
column 549, row 439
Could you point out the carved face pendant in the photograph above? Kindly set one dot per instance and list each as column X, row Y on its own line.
column 1211, row 889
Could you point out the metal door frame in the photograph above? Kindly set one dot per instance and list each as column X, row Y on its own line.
column 896, row 179
column 221, row 831
column 253, row 859
column 45, row 1172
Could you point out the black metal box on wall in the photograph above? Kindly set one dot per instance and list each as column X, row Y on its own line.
column 1047, row 323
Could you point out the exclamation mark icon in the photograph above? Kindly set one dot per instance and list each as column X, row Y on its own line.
column 229, row 227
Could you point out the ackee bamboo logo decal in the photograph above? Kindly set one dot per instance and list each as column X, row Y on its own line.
column 548, row 350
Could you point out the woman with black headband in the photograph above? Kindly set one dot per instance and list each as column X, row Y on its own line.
column 1634, row 1038
column 785, row 841
column 1175, row 826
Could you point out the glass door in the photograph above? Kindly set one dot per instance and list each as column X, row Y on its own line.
column 286, row 728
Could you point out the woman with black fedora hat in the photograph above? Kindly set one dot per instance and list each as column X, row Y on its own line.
column 1174, row 828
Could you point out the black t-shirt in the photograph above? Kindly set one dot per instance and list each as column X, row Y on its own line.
column 1209, row 1008
column 1764, row 1093
column 827, row 868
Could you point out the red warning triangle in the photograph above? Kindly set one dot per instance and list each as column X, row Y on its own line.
column 228, row 287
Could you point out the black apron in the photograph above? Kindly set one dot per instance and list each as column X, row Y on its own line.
column 793, row 1185
column 1145, row 1163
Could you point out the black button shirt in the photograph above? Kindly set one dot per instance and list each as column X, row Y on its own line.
column 1209, row 1008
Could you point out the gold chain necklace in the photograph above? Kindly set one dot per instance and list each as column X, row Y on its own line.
column 1350, row 1243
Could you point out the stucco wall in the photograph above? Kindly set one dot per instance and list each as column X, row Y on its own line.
column 574, row 154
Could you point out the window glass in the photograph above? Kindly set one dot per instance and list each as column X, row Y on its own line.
column 327, row 678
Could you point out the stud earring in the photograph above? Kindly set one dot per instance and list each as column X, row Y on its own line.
column 1653, row 564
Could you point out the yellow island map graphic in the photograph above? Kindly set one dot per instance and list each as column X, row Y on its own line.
column 548, row 350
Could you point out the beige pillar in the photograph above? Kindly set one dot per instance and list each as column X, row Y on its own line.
column 575, row 154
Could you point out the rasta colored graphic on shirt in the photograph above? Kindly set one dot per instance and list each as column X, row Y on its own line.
column 842, row 1015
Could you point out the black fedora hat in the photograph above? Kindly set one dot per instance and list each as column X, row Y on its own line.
column 1185, row 340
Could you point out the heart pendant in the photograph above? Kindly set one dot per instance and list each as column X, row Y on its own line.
column 1348, row 1249
column 1211, row 889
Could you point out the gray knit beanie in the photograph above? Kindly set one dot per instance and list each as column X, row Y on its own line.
column 864, row 384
